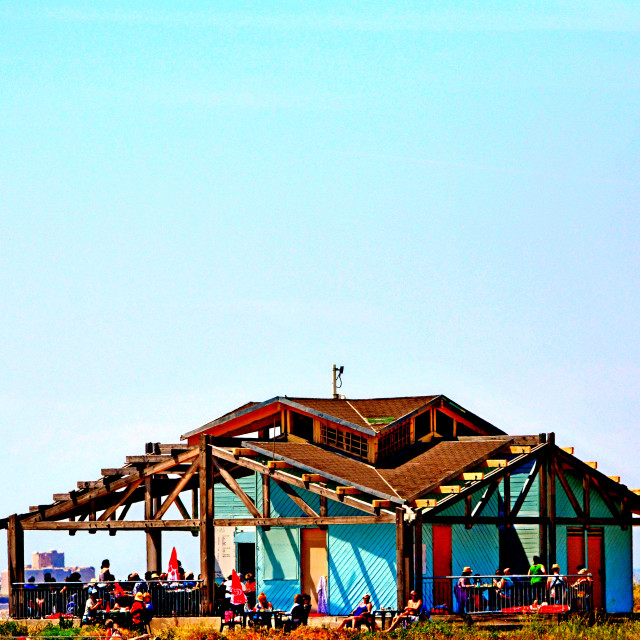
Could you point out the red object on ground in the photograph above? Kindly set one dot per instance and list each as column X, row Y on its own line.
column 543, row 608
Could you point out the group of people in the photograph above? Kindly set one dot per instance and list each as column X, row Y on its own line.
column 474, row 594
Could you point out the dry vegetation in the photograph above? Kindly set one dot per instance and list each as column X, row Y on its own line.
column 533, row 630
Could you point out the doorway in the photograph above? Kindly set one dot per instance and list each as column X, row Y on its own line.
column 313, row 562
column 246, row 560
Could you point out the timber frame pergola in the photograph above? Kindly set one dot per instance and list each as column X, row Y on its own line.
column 166, row 471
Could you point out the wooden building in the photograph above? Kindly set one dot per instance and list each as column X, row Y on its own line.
column 377, row 495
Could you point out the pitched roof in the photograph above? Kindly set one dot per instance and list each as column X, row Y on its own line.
column 371, row 413
column 402, row 479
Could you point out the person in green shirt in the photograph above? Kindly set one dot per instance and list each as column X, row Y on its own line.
column 536, row 571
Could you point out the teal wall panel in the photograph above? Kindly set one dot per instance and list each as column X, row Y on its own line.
column 477, row 547
column 279, row 591
column 362, row 559
column 563, row 506
column 597, row 506
column 561, row 548
column 618, row 568
column 227, row 504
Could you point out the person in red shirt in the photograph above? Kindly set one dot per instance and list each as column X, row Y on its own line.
column 137, row 613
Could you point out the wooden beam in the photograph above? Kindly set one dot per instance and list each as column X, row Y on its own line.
column 15, row 546
column 232, row 483
column 471, row 476
column 206, row 526
column 278, row 464
column 400, row 566
column 313, row 477
column 381, row 503
column 417, row 553
column 520, row 449
column 552, row 530
column 425, row 503
column 296, row 499
column 180, row 485
column 347, row 491
column 484, row 501
column 568, row 450
column 586, row 495
column 100, row 491
column 61, row 497
column 506, row 489
column 593, row 465
column 153, row 538
column 493, row 464
column 126, row 494
column 447, row 489
column 182, row 509
column 492, row 477
column 116, row 525
column 266, row 496
column 243, row 451
column 148, row 459
column 614, row 478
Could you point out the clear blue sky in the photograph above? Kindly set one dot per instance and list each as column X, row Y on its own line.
column 210, row 204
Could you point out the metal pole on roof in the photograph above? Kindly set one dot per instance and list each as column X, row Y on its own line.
column 337, row 378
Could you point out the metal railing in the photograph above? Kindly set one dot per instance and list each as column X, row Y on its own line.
column 508, row 595
column 68, row 599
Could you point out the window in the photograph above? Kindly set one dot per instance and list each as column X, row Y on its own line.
column 423, row 424
column 345, row 440
column 393, row 441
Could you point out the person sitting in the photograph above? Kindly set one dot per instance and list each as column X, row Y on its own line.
column 137, row 612
column 582, row 588
column 410, row 613
column 263, row 610
column 360, row 615
column 92, row 605
column 113, row 629
column 296, row 615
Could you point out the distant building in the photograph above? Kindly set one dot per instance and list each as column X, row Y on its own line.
column 51, row 562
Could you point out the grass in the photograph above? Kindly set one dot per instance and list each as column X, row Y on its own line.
column 575, row 629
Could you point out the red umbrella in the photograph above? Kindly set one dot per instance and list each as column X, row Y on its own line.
column 237, row 594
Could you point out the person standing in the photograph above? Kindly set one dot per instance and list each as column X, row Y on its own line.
column 536, row 571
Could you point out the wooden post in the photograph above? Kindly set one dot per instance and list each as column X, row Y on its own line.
column 401, row 589
column 324, row 509
column 207, row 530
column 154, row 536
column 417, row 552
column 544, row 512
column 15, row 545
column 552, row 501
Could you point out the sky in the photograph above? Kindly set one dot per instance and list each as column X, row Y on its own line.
column 203, row 204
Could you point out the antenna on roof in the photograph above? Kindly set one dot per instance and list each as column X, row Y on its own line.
column 337, row 378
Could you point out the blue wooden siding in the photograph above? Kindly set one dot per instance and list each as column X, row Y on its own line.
column 227, row 504
column 362, row 559
column 618, row 568
column 528, row 534
column 563, row 506
column 561, row 548
column 278, row 554
column 478, row 547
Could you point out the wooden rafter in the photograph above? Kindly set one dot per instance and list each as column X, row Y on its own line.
column 180, row 485
column 484, row 500
column 232, row 483
column 606, row 498
column 182, row 509
column 125, row 496
column 293, row 480
column 492, row 477
column 84, row 499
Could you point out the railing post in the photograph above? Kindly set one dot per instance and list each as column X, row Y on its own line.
column 15, row 546
column 207, row 530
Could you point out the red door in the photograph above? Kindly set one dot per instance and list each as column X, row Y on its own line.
column 595, row 539
column 575, row 552
column 442, row 590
